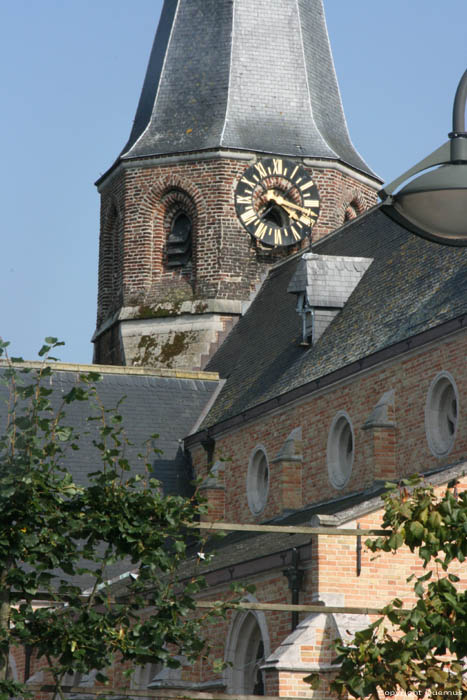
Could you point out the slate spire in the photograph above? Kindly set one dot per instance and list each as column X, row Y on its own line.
column 245, row 75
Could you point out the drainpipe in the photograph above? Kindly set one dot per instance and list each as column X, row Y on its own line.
column 294, row 576
column 303, row 308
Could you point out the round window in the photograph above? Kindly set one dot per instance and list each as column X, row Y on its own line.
column 441, row 414
column 258, row 481
column 340, row 451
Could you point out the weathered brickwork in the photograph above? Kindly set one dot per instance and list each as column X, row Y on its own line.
column 110, row 252
column 137, row 208
column 342, row 199
column 379, row 453
column 224, row 263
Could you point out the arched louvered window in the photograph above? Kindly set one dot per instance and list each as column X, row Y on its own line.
column 179, row 241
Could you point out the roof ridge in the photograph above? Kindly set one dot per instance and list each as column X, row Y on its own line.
column 345, row 225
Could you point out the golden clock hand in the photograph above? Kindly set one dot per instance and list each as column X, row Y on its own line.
column 285, row 203
column 273, row 197
column 290, row 208
column 290, row 212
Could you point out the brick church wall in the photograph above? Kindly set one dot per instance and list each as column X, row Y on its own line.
column 331, row 574
column 410, row 376
column 382, row 577
column 330, row 577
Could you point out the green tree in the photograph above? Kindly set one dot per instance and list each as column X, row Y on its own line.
column 421, row 650
column 52, row 529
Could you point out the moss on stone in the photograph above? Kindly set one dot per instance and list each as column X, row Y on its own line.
column 150, row 353
column 168, row 307
column 175, row 346
column 147, row 349
column 200, row 307
column 158, row 311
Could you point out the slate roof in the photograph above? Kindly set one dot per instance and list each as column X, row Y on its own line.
column 151, row 404
column 412, row 285
column 168, row 406
column 238, row 74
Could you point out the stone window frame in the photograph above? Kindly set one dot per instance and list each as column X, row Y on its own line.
column 438, row 414
column 245, row 628
column 256, row 489
column 339, row 460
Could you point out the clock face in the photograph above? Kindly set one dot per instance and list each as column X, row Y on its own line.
column 277, row 202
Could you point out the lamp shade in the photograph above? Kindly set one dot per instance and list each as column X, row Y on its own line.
column 434, row 205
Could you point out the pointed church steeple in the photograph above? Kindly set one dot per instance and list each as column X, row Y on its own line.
column 239, row 152
column 241, row 75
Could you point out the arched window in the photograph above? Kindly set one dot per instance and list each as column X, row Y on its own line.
column 354, row 207
column 179, row 240
column 247, row 649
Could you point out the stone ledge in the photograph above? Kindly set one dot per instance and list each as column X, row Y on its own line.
column 114, row 369
column 140, row 162
column 169, row 309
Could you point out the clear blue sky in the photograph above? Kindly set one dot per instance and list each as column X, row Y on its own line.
column 71, row 74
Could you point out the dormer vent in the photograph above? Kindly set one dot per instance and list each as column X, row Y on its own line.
column 323, row 284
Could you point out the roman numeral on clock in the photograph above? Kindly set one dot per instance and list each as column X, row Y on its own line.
column 261, row 230
column 248, row 216
column 277, row 166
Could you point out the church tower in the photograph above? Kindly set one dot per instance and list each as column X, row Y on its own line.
column 238, row 156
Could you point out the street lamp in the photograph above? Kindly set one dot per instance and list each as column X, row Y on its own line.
column 434, row 205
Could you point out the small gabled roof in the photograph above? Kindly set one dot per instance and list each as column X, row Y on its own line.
column 236, row 74
column 412, row 286
column 327, row 280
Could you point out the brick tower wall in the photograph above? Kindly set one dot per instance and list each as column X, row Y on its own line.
column 137, row 208
column 227, row 264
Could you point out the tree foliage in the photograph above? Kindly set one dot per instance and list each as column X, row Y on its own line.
column 52, row 529
column 420, row 650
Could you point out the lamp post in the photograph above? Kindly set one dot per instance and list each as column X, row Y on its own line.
column 434, row 205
